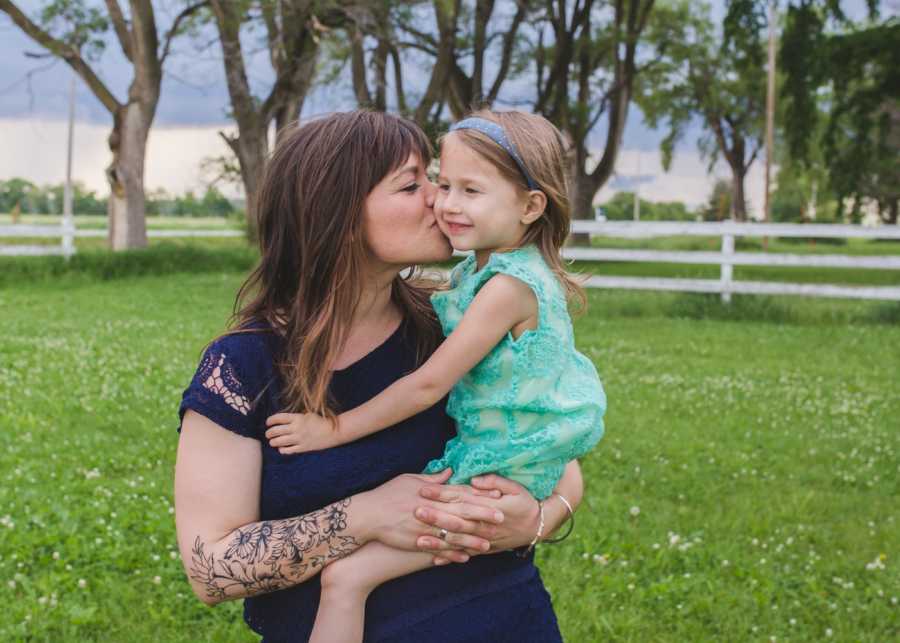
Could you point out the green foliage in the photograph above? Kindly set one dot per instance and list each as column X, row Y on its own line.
column 718, row 208
column 621, row 208
column 717, row 74
column 33, row 199
column 849, row 76
column 76, row 23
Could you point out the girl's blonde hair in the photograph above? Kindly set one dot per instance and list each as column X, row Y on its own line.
column 541, row 148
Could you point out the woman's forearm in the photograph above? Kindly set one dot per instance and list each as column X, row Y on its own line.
column 269, row 555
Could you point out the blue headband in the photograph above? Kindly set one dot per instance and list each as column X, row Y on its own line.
column 493, row 131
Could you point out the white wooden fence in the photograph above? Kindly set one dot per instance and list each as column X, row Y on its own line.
column 66, row 247
column 727, row 258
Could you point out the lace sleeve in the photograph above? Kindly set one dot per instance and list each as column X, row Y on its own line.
column 224, row 389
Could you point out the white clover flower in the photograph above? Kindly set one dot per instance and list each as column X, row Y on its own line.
column 876, row 564
column 828, row 632
column 157, row 580
column 635, row 511
column 12, row 584
column 56, row 555
column 82, row 583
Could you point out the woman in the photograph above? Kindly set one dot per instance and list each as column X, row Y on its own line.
column 324, row 323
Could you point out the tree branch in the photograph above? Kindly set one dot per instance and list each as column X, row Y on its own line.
column 506, row 55
column 173, row 31
column 121, row 26
column 67, row 52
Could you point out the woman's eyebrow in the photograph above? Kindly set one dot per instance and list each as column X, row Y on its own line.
column 409, row 169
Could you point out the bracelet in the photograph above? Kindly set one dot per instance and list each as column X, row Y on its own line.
column 571, row 520
column 540, row 530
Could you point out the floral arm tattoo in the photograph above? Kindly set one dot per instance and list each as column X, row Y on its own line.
column 273, row 554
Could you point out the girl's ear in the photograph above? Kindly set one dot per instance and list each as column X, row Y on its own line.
column 534, row 207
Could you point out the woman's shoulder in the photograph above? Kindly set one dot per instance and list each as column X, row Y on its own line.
column 249, row 351
column 234, row 371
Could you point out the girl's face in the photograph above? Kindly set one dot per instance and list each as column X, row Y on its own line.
column 399, row 225
column 476, row 207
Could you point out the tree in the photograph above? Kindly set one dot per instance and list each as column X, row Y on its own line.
column 621, row 208
column 842, row 90
column 17, row 193
column 719, row 205
column 78, row 30
column 719, row 75
column 293, row 29
column 447, row 37
column 588, row 59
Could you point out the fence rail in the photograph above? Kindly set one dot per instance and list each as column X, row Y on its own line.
column 67, row 236
column 726, row 257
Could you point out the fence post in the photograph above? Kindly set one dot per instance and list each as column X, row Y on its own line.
column 68, row 236
column 727, row 268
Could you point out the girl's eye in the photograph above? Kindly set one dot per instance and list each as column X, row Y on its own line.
column 411, row 188
column 471, row 191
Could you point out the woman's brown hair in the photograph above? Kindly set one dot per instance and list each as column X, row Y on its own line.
column 312, row 249
column 541, row 148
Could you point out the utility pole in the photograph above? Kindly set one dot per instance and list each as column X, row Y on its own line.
column 68, row 223
column 770, row 119
column 637, row 189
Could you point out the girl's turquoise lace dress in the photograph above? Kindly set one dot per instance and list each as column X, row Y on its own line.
column 533, row 403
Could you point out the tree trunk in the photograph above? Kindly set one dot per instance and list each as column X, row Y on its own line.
column 251, row 148
column 128, row 144
column 738, row 203
column 890, row 215
column 582, row 205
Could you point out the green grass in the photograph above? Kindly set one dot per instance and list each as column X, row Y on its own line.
column 759, row 442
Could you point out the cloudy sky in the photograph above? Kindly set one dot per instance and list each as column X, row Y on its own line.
column 193, row 109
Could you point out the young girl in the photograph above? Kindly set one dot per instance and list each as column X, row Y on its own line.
column 524, row 400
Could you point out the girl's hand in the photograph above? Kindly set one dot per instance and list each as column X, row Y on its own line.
column 300, row 432
column 521, row 514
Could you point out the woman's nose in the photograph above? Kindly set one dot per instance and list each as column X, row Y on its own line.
column 430, row 193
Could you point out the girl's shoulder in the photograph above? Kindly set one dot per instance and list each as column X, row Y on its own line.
column 525, row 264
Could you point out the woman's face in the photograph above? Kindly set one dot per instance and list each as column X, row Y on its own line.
column 398, row 219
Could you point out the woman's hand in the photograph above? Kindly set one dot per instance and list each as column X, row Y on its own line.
column 520, row 512
column 391, row 517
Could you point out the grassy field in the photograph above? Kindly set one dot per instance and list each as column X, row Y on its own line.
column 746, row 487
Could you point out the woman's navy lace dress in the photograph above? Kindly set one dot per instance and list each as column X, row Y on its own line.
column 492, row 598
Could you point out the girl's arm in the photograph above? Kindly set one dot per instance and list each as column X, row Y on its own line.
column 228, row 552
column 501, row 304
